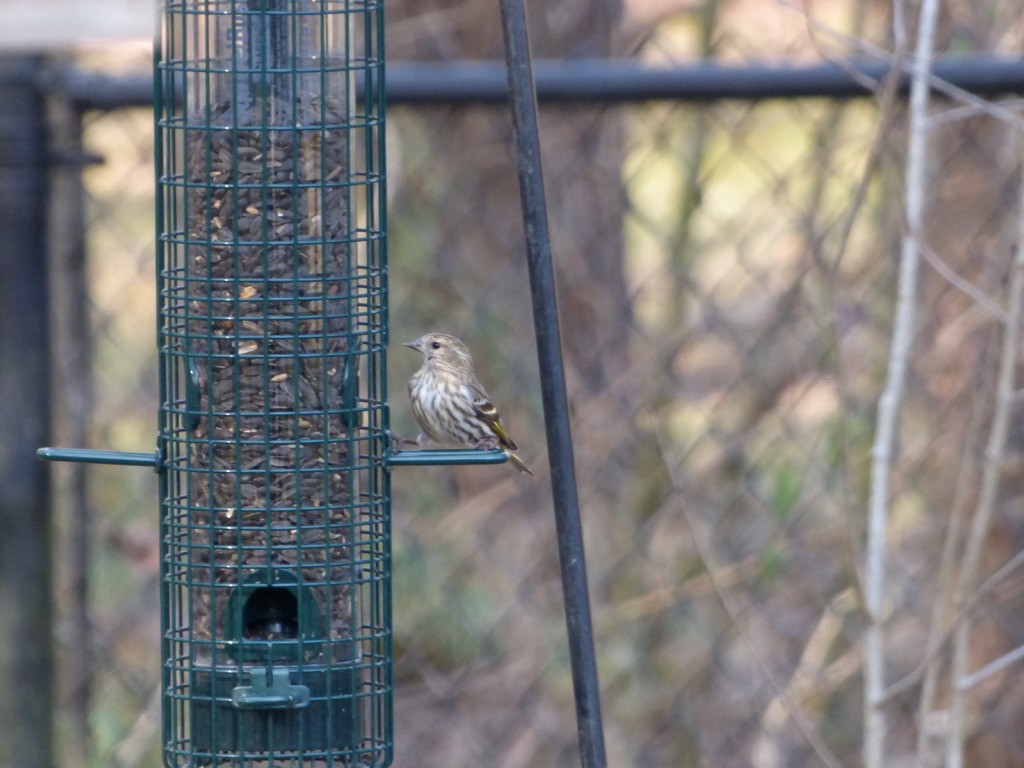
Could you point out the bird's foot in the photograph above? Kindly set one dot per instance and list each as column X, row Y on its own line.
column 397, row 444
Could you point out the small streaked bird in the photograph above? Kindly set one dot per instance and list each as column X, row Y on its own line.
column 450, row 405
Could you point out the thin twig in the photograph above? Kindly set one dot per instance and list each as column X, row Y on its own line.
column 990, row 477
column 971, row 680
column 892, row 395
column 968, row 111
column 886, row 106
column 941, row 636
column 930, row 666
column 966, row 287
column 1001, row 573
column 808, row 685
column 887, row 92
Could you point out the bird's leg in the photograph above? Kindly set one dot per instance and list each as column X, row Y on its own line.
column 488, row 443
column 398, row 443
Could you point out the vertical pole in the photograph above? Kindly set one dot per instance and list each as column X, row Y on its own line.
column 556, row 406
column 26, row 646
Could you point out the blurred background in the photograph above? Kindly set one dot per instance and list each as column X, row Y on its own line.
column 727, row 273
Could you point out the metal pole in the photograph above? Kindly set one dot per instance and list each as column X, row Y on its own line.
column 552, row 375
column 26, row 633
column 611, row 81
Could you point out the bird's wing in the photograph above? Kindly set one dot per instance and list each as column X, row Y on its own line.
column 489, row 415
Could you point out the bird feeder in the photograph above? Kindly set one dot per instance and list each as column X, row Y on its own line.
column 272, row 331
column 273, row 448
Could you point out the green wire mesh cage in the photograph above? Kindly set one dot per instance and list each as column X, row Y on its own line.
column 272, row 333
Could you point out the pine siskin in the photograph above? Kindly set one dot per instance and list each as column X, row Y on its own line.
column 450, row 404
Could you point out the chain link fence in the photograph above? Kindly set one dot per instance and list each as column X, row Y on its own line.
column 727, row 274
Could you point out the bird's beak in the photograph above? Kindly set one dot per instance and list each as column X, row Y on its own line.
column 413, row 345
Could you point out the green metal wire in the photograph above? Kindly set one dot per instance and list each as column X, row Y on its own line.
column 274, row 424
column 96, row 456
column 444, row 458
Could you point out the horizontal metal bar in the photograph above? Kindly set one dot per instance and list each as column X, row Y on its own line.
column 608, row 81
column 403, row 459
column 90, row 456
column 601, row 81
column 444, row 458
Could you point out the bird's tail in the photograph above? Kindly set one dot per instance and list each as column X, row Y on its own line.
column 518, row 463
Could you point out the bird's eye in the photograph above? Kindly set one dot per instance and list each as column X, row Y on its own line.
column 435, row 345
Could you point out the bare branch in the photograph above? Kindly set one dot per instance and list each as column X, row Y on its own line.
column 812, row 681
column 889, row 402
column 990, row 477
column 938, row 633
column 969, row 111
column 940, row 266
column 971, row 680
column 942, row 635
